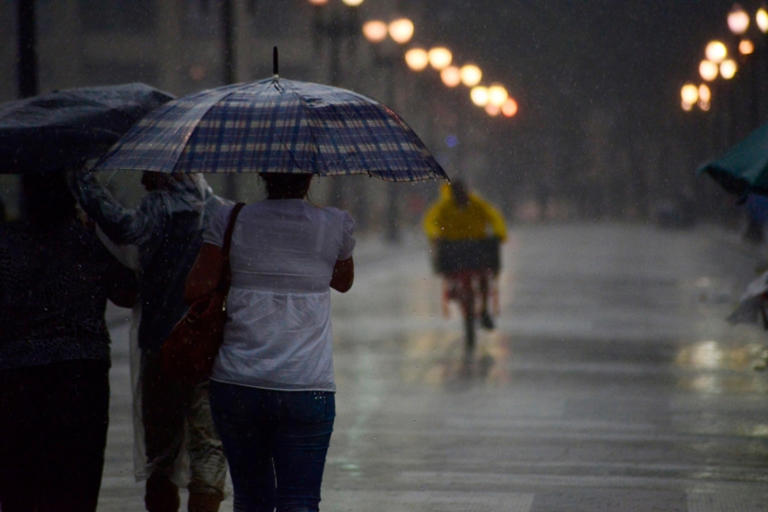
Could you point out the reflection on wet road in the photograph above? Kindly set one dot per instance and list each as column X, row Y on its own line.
column 612, row 382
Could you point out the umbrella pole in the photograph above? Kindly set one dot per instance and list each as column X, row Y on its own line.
column 27, row 49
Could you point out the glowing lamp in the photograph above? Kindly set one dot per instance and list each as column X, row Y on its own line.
column 689, row 93
column 509, row 107
column 705, row 93
column 728, row 69
column 716, row 51
column 761, row 19
column 497, row 94
column 451, row 76
column 401, row 30
column 708, row 70
column 738, row 20
column 479, row 95
column 746, row 47
column 440, row 57
column 375, row 31
column 492, row 110
column 470, row 75
column 417, row 59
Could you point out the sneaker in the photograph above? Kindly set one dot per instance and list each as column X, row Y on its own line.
column 486, row 321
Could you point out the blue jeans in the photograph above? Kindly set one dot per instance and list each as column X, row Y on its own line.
column 275, row 443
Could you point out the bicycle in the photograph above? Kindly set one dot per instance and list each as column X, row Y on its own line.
column 469, row 268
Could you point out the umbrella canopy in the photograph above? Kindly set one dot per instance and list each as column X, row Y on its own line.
column 275, row 125
column 63, row 129
column 744, row 167
column 752, row 303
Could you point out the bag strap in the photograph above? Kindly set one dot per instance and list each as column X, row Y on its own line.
column 226, row 277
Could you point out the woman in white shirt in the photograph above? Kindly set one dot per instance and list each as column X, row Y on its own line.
column 272, row 387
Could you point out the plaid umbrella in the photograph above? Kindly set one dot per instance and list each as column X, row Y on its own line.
column 275, row 125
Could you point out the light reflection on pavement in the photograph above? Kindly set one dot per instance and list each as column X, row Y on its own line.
column 612, row 381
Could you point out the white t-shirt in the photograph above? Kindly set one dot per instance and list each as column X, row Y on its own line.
column 278, row 331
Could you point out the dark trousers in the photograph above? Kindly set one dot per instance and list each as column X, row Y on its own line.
column 53, row 431
column 275, row 443
column 170, row 411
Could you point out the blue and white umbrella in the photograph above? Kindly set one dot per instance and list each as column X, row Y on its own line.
column 275, row 125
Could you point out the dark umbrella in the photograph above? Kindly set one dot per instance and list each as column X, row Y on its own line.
column 63, row 129
column 275, row 125
column 743, row 168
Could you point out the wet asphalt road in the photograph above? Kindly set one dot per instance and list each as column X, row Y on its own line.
column 612, row 382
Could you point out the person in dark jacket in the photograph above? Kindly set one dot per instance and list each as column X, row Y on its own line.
column 167, row 230
column 55, row 279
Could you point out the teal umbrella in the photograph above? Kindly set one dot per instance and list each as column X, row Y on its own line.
column 743, row 169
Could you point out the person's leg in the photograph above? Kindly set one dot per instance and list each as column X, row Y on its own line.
column 301, row 445
column 485, row 316
column 208, row 466
column 162, row 407
column 243, row 418
column 52, row 446
column 20, row 425
column 76, row 437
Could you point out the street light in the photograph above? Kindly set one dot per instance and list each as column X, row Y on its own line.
column 689, row 93
column 761, row 19
column 509, row 108
column 470, row 75
column 708, row 70
column 479, row 95
column 451, row 76
column 440, row 57
column 492, row 109
column 705, row 97
column 746, row 47
column 728, row 69
column 738, row 20
column 716, row 51
column 400, row 31
column 417, row 59
column 705, row 93
column 375, row 31
column 336, row 25
column 497, row 95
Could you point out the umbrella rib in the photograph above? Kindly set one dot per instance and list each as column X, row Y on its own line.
column 183, row 147
column 310, row 125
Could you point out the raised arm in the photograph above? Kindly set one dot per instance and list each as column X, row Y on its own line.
column 121, row 225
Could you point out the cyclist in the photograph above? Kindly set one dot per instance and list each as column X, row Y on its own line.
column 461, row 215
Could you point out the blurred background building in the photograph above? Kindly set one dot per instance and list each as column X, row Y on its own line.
column 598, row 134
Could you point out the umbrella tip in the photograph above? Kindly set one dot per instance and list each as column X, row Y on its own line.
column 274, row 62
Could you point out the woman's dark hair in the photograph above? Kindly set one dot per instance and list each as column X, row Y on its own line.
column 46, row 199
column 286, row 186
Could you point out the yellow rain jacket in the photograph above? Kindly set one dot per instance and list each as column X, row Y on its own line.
column 446, row 221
